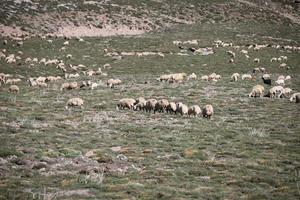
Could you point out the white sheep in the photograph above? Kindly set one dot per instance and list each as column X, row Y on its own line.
column 182, row 108
column 246, row 76
column 285, row 93
column 205, row 78
column 194, row 110
column 14, row 89
column 171, row 108
column 257, row 91
column 150, row 105
column 75, row 102
column 192, row 76
column 207, row 111
column 279, row 82
column 140, row 104
column 256, row 60
column 235, row 76
column 126, row 103
column 275, row 90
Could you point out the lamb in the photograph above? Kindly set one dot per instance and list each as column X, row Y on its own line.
column 257, row 91
column 140, row 104
column 267, row 79
column 207, row 111
column 192, row 76
column 161, row 105
column 14, row 89
column 74, row 102
column 126, row 103
column 194, row 110
column 235, row 76
column 182, row 108
column 171, row 108
column 295, row 97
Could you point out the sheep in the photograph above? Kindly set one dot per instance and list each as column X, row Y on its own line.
column 67, row 76
column 218, row 76
column 164, row 78
column 212, row 76
column 284, row 66
column 74, row 102
column 69, row 56
column 14, row 89
column 161, row 105
column 205, row 78
column 112, row 82
column 126, row 103
column 285, row 92
column 279, row 82
column 274, row 90
column 231, row 54
column 257, row 91
column 255, row 70
column 194, row 110
column 273, row 59
column 150, row 105
column 246, row 76
column 235, row 76
column 262, row 69
column 295, row 97
column 267, row 79
column 256, row 60
column 231, row 60
column 281, row 77
column 192, row 76
column 182, row 108
column 178, row 77
column 140, row 104
column 171, row 108
column 69, row 86
column 66, row 43
column 244, row 51
column 207, row 111
column 41, row 79
column 13, row 81
column 106, row 66
column 288, row 77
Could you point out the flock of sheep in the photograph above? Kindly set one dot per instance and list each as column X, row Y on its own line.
column 154, row 105
column 163, row 105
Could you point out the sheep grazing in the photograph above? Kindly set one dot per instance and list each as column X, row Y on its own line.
column 246, row 77
column 14, row 89
column 112, row 82
column 182, row 108
column 288, row 77
column 235, row 76
column 267, row 79
column 140, row 104
column 161, row 105
column 85, row 84
column 207, row 111
column 192, row 76
column 126, row 103
column 257, row 91
column 69, row 86
column 231, row 54
column 106, row 66
column 255, row 70
column 231, row 60
column 194, row 110
column 285, row 93
column 66, row 43
column 67, row 76
column 74, row 102
column 256, row 60
column 177, row 78
column 164, row 78
column 275, row 90
column 205, row 78
column 280, row 82
column 172, row 108
column 13, row 81
column 150, row 105
column 69, row 56
column 295, row 97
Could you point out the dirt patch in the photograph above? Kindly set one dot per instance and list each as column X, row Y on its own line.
column 16, row 31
